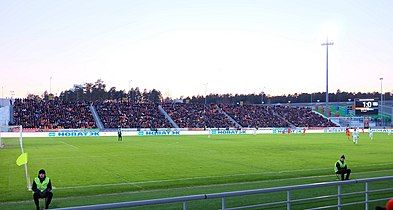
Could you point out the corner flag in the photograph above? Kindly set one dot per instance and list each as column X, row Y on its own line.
column 22, row 159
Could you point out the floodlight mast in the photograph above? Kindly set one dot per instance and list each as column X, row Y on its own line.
column 380, row 111
column 327, row 43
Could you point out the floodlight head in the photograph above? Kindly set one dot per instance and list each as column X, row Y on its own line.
column 327, row 43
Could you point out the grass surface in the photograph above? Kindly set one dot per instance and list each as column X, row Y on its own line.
column 101, row 169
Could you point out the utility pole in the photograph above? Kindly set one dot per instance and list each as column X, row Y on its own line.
column 263, row 94
column 204, row 106
column 205, row 92
column 130, row 92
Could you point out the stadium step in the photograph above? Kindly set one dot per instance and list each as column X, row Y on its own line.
column 97, row 119
column 229, row 117
column 167, row 117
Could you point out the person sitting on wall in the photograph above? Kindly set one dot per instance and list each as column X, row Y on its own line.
column 341, row 168
column 42, row 188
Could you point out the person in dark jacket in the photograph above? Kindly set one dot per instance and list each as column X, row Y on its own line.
column 42, row 188
column 119, row 135
column 341, row 168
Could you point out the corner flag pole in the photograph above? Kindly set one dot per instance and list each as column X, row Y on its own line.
column 21, row 149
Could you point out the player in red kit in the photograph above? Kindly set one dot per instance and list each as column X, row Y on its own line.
column 347, row 133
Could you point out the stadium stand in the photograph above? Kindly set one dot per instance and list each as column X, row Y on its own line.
column 52, row 114
column 197, row 116
column 303, row 117
column 254, row 116
column 130, row 115
column 57, row 114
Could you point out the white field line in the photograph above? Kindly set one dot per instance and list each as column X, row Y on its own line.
column 194, row 187
column 124, row 179
column 207, row 177
column 69, row 145
column 88, row 156
column 85, row 156
column 248, row 182
column 9, row 177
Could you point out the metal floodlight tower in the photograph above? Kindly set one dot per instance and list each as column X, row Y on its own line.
column 327, row 43
column 205, row 84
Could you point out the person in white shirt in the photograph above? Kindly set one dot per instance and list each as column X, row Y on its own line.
column 355, row 136
column 370, row 134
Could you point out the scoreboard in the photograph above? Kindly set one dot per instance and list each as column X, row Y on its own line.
column 366, row 106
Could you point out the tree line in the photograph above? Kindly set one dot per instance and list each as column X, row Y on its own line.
column 98, row 91
column 262, row 98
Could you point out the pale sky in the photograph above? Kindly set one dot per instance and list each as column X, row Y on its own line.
column 178, row 46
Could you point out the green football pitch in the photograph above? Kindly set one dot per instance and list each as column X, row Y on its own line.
column 92, row 170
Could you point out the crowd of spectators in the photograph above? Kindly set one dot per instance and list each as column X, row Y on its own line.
column 254, row 116
column 191, row 115
column 114, row 114
column 303, row 117
column 59, row 114
column 52, row 114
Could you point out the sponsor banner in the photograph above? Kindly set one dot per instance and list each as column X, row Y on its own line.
column 285, row 130
column 29, row 134
column 334, row 130
column 260, row 131
column 226, row 132
column 279, row 130
column 195, row 132
column 382, row 130
column 74, row 133
column 95, row 133
column 158, row 133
